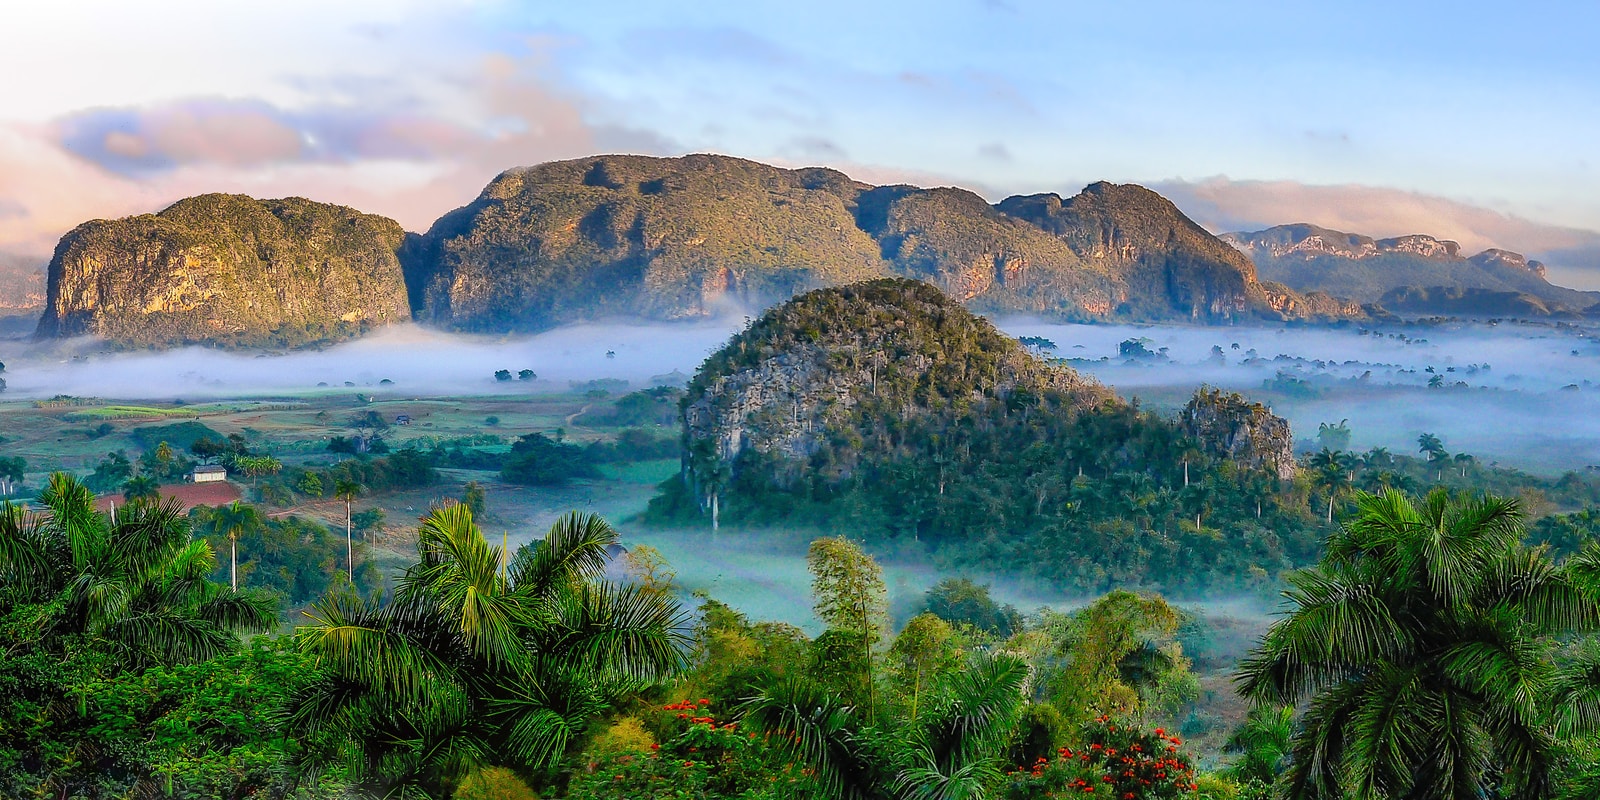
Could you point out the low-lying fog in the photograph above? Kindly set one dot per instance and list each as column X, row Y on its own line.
column 1523, row 394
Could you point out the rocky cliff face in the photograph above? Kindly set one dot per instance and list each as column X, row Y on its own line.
column 668, row 238
column 1229, row 426
column 229, row 270
column 800, row 375
column 1310, row 259
column 1163, row 261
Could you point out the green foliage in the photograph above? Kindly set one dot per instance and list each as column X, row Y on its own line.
column 474, row 498
column 110, row 474
column 537, row 460
column 1424, row 642
column 699, row 756
column 121, row 662
column 475, row 664
column 179, row 435
column 960, row 601
column 296, row 559
column 1118, row 655
column 1566, row 534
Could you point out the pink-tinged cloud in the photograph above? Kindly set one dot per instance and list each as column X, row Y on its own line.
column 1220, row 204
column 408, row 164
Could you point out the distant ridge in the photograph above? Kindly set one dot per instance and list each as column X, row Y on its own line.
column 1416, row 273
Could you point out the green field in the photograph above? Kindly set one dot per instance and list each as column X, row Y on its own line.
column 106, row 413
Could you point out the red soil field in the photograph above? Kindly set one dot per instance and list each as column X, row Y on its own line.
column 219, row 493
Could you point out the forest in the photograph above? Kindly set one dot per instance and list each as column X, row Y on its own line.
column 1428, row 649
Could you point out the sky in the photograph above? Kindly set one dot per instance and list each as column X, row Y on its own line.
column 1467, row 120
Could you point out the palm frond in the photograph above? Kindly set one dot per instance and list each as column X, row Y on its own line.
column 817, row 729
column 574, row 550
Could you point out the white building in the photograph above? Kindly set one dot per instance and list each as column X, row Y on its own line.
column 208, row 474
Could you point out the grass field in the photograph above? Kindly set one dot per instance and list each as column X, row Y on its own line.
column 109, row 413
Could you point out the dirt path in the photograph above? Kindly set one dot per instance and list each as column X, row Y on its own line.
column 580, row 412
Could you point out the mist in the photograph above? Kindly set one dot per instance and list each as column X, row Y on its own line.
column 1525, row 395
column 417, row 361
column 1521, row 394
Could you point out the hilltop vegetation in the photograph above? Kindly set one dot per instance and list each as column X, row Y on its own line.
column 887, row 410
column 227, row 270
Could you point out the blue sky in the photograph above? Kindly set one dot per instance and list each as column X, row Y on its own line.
column 1476, row 121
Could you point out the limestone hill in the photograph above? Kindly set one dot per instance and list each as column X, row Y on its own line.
column 669, row 238
column 227, row 270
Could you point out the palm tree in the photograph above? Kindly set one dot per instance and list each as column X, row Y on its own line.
column 135, row 582
column 1329, row 472
column 1262, row 741
column 141, row 487
column 471, row 666
column 1424, row 642
column 950, row 751
column 233, row 520
column 347, row 491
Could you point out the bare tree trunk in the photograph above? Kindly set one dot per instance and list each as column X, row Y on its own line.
column 233, row 561
column 714, row 515
column 349, row 548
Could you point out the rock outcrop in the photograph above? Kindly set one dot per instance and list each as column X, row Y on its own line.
column 227, row 270
column 1229, row 426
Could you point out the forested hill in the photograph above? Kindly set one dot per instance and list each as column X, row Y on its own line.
column 681, row 237
column 889, row 411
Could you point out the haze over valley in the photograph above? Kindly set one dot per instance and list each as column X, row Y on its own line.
column 1002, row 400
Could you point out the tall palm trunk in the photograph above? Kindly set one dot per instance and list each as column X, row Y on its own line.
column 233, row 560
column 349, row 548
column 714, row 515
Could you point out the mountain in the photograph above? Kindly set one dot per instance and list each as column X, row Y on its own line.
column 228, row 270
column 666, row 238
column 888, row 410
column 1414, row 273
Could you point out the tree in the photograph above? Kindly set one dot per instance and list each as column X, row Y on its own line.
column 1334, row 437
column 959, row 600
column 475, row 664
column 1262, row 742
column 1430, row 446
column 526, row 375
column 951, row 751
column 474, row 498
column 1330, row 473
column 347, row 491
column 234, row 520
column 502, row 374
column 135, row 583
column 1424, row 642
column 923, row 652
column 310, row 484
column 849, row 597
column 12, row 470
column 711, row 473
column 141, row 487
column 256, row 466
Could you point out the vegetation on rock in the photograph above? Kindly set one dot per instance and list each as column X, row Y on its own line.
column 228, row 270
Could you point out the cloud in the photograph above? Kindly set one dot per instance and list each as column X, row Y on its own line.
column 404, row 159
column 995, row 151
column 1221, row 204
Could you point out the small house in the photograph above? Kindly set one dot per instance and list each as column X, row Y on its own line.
column 210, row 473
column 403, row 419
